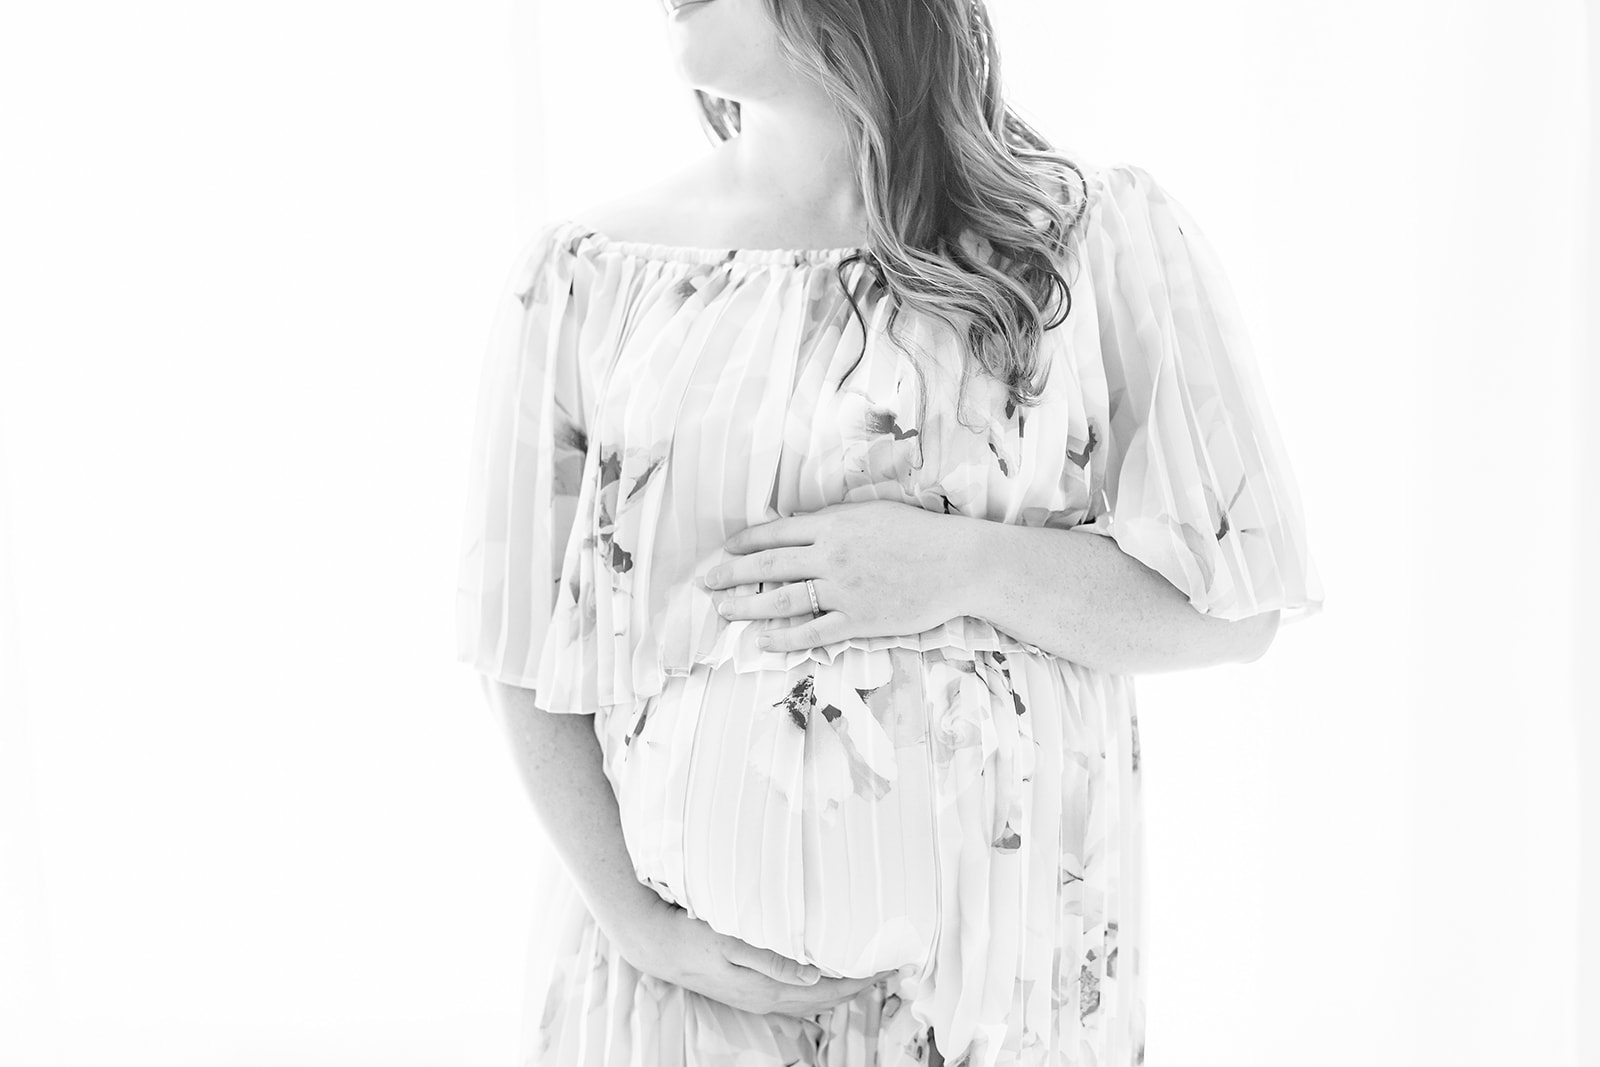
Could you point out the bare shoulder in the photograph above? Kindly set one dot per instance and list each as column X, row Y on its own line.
column 702, row 205
column 660, row 212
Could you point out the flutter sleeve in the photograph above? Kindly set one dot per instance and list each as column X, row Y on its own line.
column 527, row 459
column 1194, row 481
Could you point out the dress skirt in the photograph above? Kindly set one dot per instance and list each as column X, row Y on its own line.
column 971, row 823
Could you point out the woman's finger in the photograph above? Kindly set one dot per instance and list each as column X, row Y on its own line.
column 745, row 976
column 826, row 994
column 777, row 967
column 755, row 992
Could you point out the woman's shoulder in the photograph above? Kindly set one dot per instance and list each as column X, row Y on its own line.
column 1130, row 187
column 1129, row 214
column 662, row 212
column 1119, row 181
column 636, row 216
column 641, row 215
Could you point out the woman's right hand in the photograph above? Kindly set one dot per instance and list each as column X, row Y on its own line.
column 663, row 941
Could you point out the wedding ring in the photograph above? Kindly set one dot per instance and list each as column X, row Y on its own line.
column 812, row 590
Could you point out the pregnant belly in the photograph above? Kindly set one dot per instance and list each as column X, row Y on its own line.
column 830, row 812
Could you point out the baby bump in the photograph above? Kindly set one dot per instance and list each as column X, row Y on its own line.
column 823, row 812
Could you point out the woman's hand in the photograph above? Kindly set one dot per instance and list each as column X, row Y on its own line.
column 663, row 941
column 880, row 568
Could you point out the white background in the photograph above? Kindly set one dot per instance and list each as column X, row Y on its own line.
column 251, row 812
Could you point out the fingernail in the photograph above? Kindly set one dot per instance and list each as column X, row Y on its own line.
column 809, row 975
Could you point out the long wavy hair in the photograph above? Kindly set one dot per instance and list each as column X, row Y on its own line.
column 938, row 152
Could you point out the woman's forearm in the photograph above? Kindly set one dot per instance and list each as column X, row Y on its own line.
column 1079, row 596
column 559, row 760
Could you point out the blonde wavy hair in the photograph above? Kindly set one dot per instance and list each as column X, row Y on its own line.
column 938, row 152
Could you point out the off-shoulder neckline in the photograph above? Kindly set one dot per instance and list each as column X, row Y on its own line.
column 580, row 236
column 585, row 237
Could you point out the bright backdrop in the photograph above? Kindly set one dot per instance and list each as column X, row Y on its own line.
column 252, row 813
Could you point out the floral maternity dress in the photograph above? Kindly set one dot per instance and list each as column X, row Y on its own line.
column 957, row 805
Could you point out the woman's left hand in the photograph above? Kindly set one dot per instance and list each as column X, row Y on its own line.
column 881, row 568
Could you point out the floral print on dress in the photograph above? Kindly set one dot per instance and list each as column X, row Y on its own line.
column 959, row 806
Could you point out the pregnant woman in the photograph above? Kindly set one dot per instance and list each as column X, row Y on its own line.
column 826, row 496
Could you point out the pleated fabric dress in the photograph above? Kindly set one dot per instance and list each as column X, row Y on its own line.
column 957, row 805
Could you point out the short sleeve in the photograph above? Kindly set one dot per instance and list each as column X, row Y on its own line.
column 527, row 457
column 1194, row 481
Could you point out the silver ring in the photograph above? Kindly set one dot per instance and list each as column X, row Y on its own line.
column 812, row 590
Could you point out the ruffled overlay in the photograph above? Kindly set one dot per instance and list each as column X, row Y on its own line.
column 1153, row 430
column 1197, row 483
